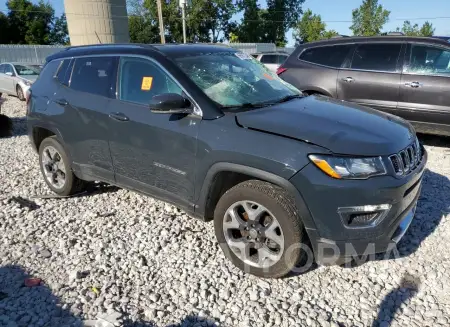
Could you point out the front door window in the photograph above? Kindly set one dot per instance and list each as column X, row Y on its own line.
column 427, row 60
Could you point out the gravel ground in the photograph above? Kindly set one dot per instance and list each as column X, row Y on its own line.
column 120, row 253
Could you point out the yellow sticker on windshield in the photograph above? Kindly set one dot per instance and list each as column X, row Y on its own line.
column 146, row 83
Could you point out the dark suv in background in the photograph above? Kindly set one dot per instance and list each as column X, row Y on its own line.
column 405, row 76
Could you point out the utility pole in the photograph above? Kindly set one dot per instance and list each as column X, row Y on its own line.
column 183, row 14
column 161, row 24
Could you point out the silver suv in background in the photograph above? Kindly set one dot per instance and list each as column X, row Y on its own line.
column 16, row 78
column 271, row 60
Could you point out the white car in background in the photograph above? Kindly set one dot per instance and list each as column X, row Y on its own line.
column 16, row 78
column 271, row 60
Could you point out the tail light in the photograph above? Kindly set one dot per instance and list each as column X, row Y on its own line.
column 281, row 70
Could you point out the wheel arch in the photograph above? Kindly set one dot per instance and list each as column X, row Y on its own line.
column 212, row 189
column 41, row 132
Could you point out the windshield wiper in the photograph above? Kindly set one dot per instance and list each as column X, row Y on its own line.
column 288, row 98
column 248, row 105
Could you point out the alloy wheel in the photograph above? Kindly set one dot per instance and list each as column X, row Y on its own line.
column 54, row 169
column 253, row 234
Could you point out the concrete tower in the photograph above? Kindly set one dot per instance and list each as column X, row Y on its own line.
column 89, row 21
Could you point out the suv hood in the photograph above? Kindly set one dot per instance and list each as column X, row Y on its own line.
column 339, row 126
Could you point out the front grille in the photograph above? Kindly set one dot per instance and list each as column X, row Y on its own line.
column 407, row 160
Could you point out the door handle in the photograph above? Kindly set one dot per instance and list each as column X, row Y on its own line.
column 348, row 79
column 413, row 84
column 61, row 102
column 118, row 116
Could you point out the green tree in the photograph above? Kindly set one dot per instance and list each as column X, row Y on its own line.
column 19, row 13
column 250, row 29
column 414, row 30
column 142, row 30
column 369, row 18
column 4, row 28
column 427, row 29
column 281, row 15
column 30, row 23
column 311, row 28
column 142, row 25
column 59, row 33
column 329, row 34
column 206, row 21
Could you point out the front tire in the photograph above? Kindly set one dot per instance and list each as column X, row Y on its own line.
column 20, row 93
column 259, row 229
column 56, row 169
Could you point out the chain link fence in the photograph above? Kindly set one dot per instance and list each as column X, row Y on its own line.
column 27, row 53
column 37, row 53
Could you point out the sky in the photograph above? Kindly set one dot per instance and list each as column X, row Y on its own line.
column 337, row 14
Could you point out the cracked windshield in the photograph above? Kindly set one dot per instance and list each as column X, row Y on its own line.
column 234, row 79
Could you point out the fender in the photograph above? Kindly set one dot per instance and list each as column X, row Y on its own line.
column 200, row 207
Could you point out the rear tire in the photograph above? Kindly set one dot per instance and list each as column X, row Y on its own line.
column 272, row 255
column 56, row 168
column 20, row 94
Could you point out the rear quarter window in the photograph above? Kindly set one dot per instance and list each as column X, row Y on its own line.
column 331, row 56
column 94, row 75
column 63, row 73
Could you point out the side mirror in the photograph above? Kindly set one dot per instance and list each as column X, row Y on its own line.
column 170, row 103
column 9, row 73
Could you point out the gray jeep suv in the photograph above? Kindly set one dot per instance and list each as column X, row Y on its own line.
column 214, row 132
column 405, row 76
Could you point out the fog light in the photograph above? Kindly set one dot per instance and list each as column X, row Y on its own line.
column 363, row 216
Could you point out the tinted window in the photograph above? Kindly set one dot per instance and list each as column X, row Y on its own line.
column 93, row 75
column 254, row 55
column 281, row 59
column 429, row 60
column 332, row 56
column 141, row 80
column 380, row 57
column 63, row 74
column 8, row 69
column 269, row 59
column 49, row 70
column 2, row 68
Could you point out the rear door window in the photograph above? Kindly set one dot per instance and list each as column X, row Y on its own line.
column 376, row 57
column 269, row 59
column 2, row 69
column 94, row 75
column 332, row 56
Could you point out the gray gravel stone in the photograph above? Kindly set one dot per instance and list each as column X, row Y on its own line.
column 151, row 263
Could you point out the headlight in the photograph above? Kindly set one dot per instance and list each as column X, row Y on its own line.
column 349, row 168
column 27, row 83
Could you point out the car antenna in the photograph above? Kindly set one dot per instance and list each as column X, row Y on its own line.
column 99, row 41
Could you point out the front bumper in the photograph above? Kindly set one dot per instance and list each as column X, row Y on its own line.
column 25, row 88
column 331, row 239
